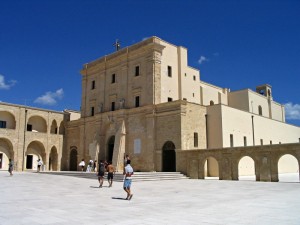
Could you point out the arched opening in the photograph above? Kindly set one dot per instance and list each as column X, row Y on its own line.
column 37, row 124
column 211, row 103
column 7, row 120
column 110, row 148
column 288, row 169
column 169, row 157
column 6, row 153
column 35, row 151
column 53, row 159
column 53, row 129
column 211, row 168
column 73, row 160
column 246, row 169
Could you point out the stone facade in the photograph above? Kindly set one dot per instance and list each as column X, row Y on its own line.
column 146, row 101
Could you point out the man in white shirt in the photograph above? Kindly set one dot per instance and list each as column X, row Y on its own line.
column 128, row 172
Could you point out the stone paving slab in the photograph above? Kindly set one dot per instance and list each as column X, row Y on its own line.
column 33, row 198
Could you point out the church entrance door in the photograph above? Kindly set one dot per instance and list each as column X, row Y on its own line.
column 169, row 157
column 110, row 148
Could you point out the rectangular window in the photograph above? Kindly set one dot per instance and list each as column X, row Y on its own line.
column 170, row 99
column 93, row 84
column 194, row 77
column 113, row 106
column 29, row 127
column 195, row 139
column 245, row 141
column 271, row 142
column 169, row 71
column 184, row 99
column 113, row 78
column 137, row 71
column 2, row 124
column 92, row 111
column 231, row 140
column 261, row 142
column 137, row 101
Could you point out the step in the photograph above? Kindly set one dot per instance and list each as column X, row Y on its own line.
column 138, row 176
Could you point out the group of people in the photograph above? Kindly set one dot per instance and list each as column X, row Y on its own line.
column 104, row 167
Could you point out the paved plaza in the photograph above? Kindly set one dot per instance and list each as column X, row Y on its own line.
column 33, row 198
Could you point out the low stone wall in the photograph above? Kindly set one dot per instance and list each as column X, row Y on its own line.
column 266, row 157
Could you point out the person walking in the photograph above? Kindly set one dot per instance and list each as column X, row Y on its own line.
column 128, row 172
column 101, row 173
column 110, row 173
column 82, row 164
column 10, row 167
column 39, row 164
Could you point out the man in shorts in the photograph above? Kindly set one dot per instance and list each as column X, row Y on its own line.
column 128, row 172
column 110, row 173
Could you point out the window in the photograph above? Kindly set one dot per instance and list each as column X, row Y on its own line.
column 93, row 84
column 245, row 141
column 299, row 140
column 231, row 140
column 2, row 124
column 195, row 139
column 194, row 77
column 29, row 127
column 113, row 106
column 271, row 142
column 113, row 78
column 211, row 103
column 169, row 71
column 260, row 110
column 184, row 99
column 92, row 111
column 137, row 71
column 137, row 101
column 185, row 74
column 193, row 94
column 261, row 142
column 170, row 99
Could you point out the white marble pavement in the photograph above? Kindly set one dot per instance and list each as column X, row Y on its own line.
column 32, row 198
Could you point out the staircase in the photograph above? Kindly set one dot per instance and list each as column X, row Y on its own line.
column 118, row 177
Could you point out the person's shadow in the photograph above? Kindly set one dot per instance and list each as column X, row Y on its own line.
column 118, row 198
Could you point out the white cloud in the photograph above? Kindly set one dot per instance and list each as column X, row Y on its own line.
column 5, row 86
column 50, row 98
column 202, row 59
column 292, row 111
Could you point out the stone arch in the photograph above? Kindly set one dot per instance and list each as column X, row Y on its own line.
column 73, row 161
column 35, row 150
column 246, row 168
column 288, row 168
column 211, row 167
column 9, row 120
column 110, row 148
column 37, row 124
column 53, row 129
column 53, row 159
column 6, row 153
column 62, row 128
column 168, row 157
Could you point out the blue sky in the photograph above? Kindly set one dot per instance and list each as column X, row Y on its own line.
column 235, row 44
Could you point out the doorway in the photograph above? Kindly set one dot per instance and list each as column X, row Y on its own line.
column 73, row 160
column 29, row 160
column 169, row 157
column 110, row 147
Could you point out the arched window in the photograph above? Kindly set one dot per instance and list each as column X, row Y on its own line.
column 211, row 103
